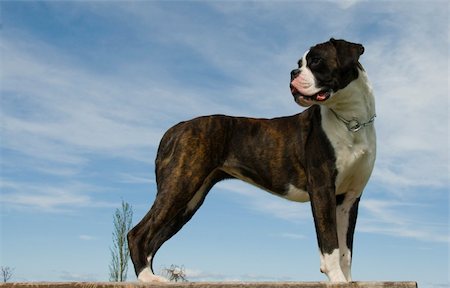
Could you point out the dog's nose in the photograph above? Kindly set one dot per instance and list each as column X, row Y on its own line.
column 294, row 73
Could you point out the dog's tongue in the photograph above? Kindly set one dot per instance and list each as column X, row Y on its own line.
column 321, row 96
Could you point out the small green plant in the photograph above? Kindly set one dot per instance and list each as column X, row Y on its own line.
column 119, row 252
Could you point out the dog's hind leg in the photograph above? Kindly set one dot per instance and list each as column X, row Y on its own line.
column 175, row 204
column 187, row 166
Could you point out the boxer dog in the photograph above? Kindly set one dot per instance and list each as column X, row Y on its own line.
column 324, row 155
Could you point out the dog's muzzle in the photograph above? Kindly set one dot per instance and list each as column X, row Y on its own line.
column 302, row 99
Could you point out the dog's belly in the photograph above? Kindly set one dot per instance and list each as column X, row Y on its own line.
column 282, row 189
column 296, row 194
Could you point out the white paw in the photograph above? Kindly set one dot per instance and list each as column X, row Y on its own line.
column 147, row 276
column 329, row 264
column 336, row 276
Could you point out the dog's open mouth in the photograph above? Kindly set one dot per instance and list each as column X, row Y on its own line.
column 320, row 96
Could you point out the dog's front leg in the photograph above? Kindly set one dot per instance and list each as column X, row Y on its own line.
column 321, row 174
column 323, row 202
column 346, row 214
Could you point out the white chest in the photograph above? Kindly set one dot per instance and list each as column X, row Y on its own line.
column 354, row 151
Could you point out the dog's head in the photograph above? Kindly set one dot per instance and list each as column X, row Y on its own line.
column 324, row 70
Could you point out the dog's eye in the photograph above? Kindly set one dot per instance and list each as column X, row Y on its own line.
column 315, row 61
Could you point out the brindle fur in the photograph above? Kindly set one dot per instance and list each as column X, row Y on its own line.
column 195, row 155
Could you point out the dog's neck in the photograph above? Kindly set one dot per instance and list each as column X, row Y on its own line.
column 355, row 101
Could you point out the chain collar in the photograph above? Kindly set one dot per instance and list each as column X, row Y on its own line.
column 354, row 125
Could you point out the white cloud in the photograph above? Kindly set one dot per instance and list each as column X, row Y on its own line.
column 72, row 111
column 78, row 277
column 53, row 198
column 346, row 4
column 85, row 237
column 408, row 72
column 390, row 217
column 137, row 179
column 196, row 275
column 294, row 236
column 66, row 111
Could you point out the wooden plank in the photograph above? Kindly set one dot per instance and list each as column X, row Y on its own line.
column 210, row 285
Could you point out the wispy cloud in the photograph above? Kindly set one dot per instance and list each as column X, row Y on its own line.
column 70, row 107
column 293, row 236
column 85, row 237
column 390, row 217
column 67, row 111
column 137, row 179
column 196, row 275
column 78, row 277
column 53, row 198
column 412, row 103
column 346, row 4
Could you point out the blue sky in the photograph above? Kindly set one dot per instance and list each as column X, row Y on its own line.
column 89, row 87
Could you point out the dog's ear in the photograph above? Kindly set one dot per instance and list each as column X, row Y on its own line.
column 348, row 53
